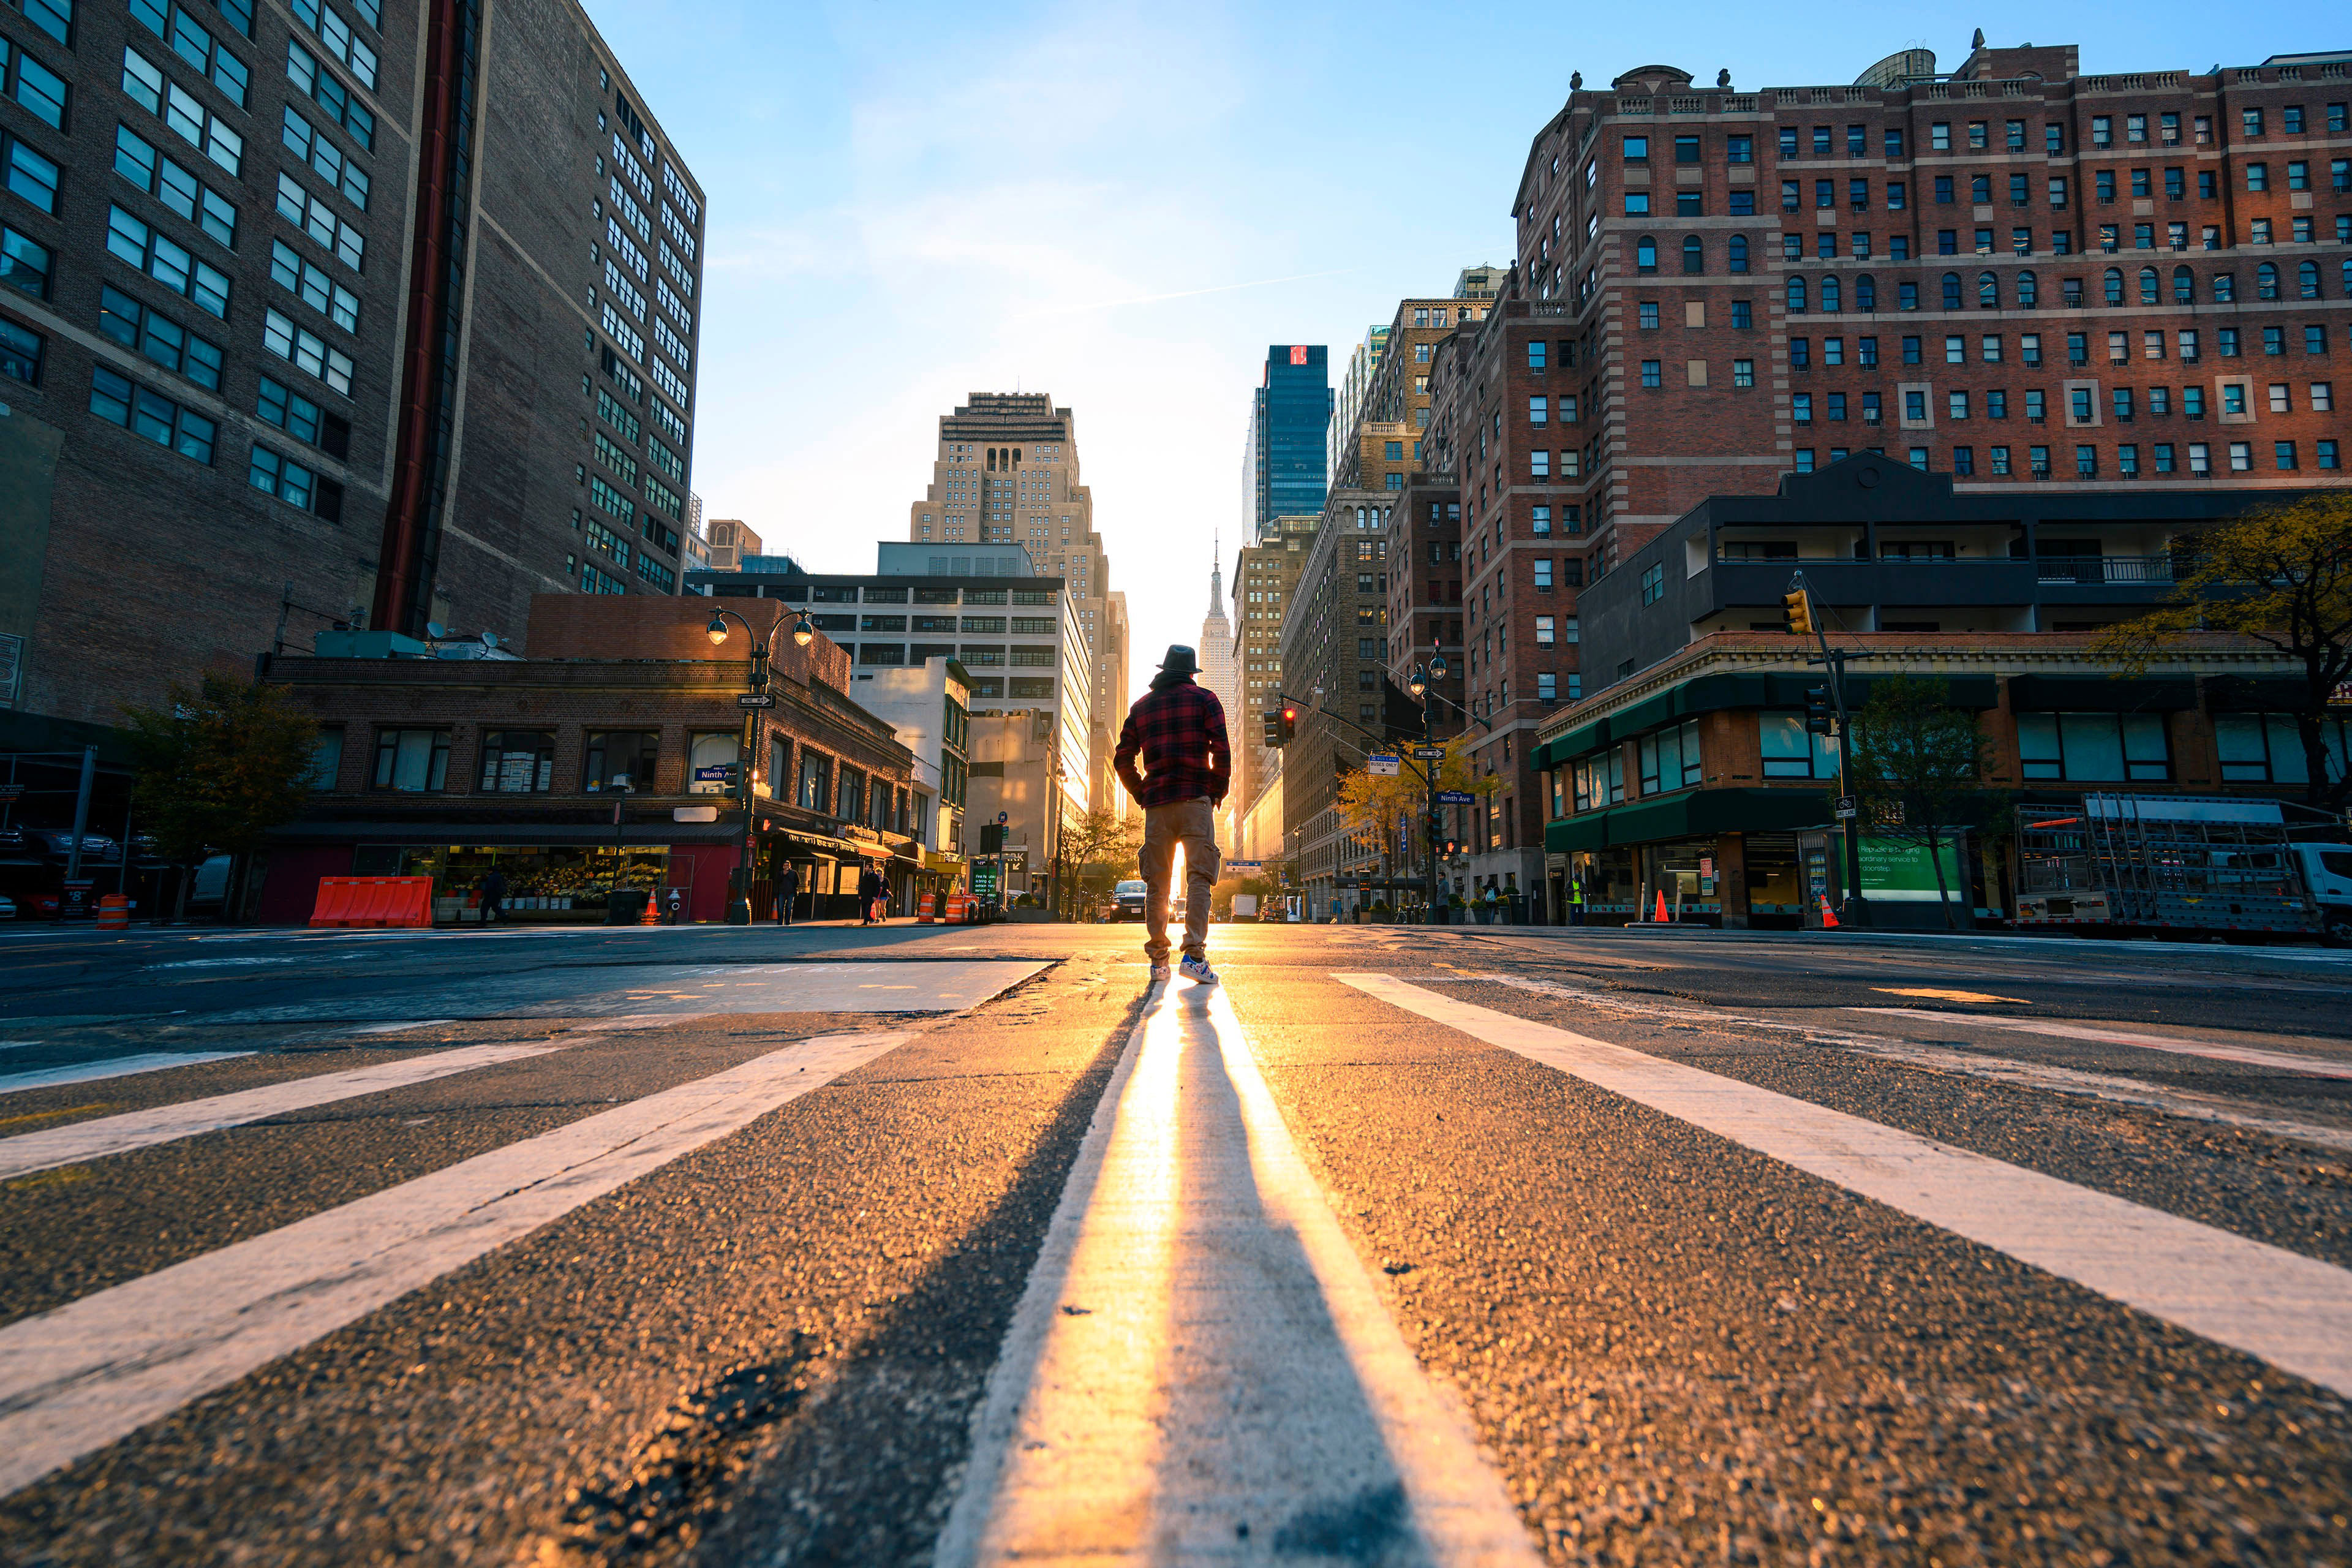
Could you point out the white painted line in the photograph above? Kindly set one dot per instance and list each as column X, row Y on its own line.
column 2310, row 1067
column 168, row 1123
column 2190, row 1105
column 1200, row 1348
column 112, row 1067
column 78, row 1378
column 2291, row 1310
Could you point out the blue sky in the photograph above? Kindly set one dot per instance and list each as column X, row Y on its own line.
column 1124, row 205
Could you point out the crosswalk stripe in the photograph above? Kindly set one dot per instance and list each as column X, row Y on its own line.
column 1200, row 1348
column 112, row 1066
column 2291, row 1310
column 81, row 1376
column 2220, row 1051
column 168, row 1123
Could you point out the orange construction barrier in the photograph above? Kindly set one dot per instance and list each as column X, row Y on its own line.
column 114, row 913
column 1662, row 917
column 373, row 901
column 1829, row 915
column 927, row 909
column 960, row 908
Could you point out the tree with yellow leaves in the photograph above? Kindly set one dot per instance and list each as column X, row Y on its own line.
column 1373, row 808
column 2280, row 574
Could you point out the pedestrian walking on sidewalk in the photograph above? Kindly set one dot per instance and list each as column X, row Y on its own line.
column 493, row 889
column 1177, row 731
column 869, row 895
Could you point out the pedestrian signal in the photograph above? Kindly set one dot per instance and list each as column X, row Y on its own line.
column 1798, row 608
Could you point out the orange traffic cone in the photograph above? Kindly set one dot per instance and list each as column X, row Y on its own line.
column 1829, row 915
column 1661, row 906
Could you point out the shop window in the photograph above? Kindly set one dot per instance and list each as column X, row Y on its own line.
column 518, row 762
column 2094, row 747
column 412, row 760
column 619, row 757
column 712, row 755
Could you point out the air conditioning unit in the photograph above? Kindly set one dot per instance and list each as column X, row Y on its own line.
column 1871, row 416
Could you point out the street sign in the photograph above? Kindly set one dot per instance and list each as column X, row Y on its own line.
column 1382, row 765
column 1429, row 753
column 1456, row 797
column 1706, row 865
column 755, row 700
column 1848, row 808
column 1003, row 817
column 10, row 791
column 1244, row 865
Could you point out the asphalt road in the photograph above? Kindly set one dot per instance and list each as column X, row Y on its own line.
column 915, row 1245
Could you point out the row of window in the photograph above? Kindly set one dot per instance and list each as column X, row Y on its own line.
column 2194, row 458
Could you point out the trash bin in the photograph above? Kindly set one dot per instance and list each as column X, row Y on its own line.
column 624, row 906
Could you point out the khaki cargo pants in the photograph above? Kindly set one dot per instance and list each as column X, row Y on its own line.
column 1193, row 823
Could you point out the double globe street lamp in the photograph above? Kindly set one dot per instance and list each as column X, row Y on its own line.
column 755, row 697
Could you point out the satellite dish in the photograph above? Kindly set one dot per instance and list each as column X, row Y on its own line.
column 490, row 639
column 435, row 629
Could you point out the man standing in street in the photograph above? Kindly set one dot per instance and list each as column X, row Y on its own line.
column 1179, row 729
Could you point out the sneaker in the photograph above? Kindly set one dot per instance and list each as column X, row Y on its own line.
column 1196, row 968
column 1160, row 971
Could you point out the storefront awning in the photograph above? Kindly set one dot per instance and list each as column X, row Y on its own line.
column 1693, row 813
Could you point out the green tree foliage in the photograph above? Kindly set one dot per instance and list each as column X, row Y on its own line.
column 2280, row 574
column 1917, row 765
column 219, row 765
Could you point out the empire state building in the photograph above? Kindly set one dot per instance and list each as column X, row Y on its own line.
column 1217, row 666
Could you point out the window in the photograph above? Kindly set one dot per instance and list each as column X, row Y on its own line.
column 1646, row 250
column 30, row 176
column 137, row 161
column 1535, row 354
column 306, row 351
column 40, row 91
column 1651, row 374
column 518, row 762
column 617, row 757
column 412, row 760
column 159, row 338
column 168, row 262
column 341, row 41
column 1670, row 758
column 313, row 286
column 2267, row 748
column 317, row 149
column 1743, row 317
column 115, row 399
column 25, row 266
column 21, row 352
column 1653, row 583
column 1790, row 752
column 143, row 83
column 710, row 755
column 328, row 92
column 187, row 38
column 2094, row 747
column 1648, row 317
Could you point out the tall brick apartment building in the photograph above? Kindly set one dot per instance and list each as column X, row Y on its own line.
column 2018, row 275
column 366, row 310
column 1333, row 646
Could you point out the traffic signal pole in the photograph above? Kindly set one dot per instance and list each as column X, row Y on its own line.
column 1798, row 606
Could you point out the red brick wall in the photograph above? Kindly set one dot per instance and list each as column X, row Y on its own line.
column 601, row 626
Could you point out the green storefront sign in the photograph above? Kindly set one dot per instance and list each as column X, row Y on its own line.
column 983, row 882
column 1894, row 871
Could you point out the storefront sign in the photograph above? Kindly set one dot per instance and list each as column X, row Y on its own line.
column 694, row 814
column 1901, row 873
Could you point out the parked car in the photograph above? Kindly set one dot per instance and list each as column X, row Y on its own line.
column 58, row 841
column 1127, row 900
column 7, row 907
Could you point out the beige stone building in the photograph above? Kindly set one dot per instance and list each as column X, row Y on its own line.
column 726, row 541
column 1006, row 472
column 1263, row 579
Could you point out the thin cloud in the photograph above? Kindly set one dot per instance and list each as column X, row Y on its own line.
column 1188, row 293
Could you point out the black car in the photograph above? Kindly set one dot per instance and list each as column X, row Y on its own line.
column 1127, row 900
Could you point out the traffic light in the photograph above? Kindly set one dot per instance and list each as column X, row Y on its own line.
column 1798, row 606
column 991, row 838
column 1818, row 712
column 1282, row 724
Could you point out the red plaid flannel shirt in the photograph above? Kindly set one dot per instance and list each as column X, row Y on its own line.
column 1180, row 731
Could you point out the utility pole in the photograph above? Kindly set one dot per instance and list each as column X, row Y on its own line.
column 81, row 812
column 1798, row 605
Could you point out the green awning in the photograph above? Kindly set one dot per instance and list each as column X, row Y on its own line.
column 1692, row 813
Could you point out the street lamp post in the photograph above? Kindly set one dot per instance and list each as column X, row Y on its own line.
column 756, row 696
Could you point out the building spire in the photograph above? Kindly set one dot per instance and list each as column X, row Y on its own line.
column 1216, row 575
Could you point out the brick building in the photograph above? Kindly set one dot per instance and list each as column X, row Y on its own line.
column 1265, row 580
column 1689, row 769
column 446, row 768
column 1334, row 656
column 2017, row 275
column 289, row 334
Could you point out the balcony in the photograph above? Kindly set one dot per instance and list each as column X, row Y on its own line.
column 2100, row 569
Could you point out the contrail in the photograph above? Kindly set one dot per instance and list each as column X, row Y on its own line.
column 1193, row 293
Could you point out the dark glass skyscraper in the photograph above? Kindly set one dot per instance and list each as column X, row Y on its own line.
column 1291, row 413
